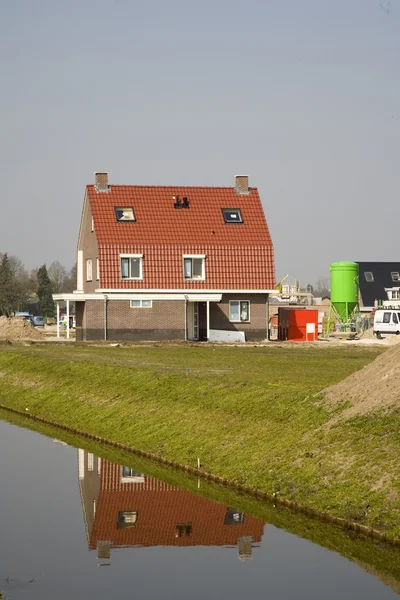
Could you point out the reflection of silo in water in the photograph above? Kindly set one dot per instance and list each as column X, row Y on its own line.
column 245, row 547
column 344, row 289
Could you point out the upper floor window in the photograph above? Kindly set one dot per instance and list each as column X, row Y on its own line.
column 97, row 269
column 239, row 311
column 131, row 266
column 369, row 276
column 395, row 295
column 89, row 269
column 194, row 267
column 124, row 213
column 395, row 276
column 232, row 215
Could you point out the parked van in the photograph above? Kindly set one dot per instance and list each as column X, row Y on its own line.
column 386, row 322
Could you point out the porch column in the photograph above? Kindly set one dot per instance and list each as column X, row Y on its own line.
column 58, row 319
column 67, row 319
column 208, row 320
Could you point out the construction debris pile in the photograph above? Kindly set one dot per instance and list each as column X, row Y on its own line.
column 376, row 386
column 17, row 328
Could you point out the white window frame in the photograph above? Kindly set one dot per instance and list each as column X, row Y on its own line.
column 141, row 305
column 89, row 269
column 90, row 459
column 369, row 276
column 97, row 269
column 92, row 226
column 192, row 257
column 395, row 276
column 121, row 256
column 239, row 320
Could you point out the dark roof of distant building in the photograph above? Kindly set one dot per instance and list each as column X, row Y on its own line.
column 374, row 277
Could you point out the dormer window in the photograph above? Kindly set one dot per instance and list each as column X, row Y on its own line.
column 395, row 276
column 369, row 276
column 125, row 213
column 194, row 267
column 131, row 266
column 232, row 215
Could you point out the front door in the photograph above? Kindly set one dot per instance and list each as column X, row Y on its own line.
column 193, row 320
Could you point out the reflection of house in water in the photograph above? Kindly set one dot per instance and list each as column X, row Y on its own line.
column 125, row 508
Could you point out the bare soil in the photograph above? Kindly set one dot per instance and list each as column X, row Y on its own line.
column 374, row 387
column 16, row 328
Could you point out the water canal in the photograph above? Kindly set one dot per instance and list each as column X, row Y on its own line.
column 76, row 526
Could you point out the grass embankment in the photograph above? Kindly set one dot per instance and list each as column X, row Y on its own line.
column 249, row 413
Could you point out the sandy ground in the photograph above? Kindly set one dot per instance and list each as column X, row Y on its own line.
column 17, row 328
column 376, row 386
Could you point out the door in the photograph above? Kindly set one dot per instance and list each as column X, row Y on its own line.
column 193, row 320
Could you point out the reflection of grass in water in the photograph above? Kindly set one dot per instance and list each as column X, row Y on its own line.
column 249, row 413
column 374, row 557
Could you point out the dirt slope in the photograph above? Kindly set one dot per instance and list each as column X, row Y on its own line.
column 374, row 387
column 17, row 328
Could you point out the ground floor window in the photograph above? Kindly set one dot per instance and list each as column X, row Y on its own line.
column 141, row 303
column 239, row 311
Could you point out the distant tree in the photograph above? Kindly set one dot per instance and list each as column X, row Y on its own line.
column 46, row 303
column 69, row 284
column 9, row 294
column 322, row 287
column 57, row 275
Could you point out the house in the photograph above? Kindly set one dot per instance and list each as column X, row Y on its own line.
column 172, row 263
column 378, row 283
column 124, row 508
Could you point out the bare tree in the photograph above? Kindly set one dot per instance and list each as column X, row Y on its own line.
column 57, row 274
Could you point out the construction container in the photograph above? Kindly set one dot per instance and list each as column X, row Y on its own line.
column 344, row 288
column 297, row 324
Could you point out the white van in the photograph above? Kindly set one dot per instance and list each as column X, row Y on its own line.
column 386, row 322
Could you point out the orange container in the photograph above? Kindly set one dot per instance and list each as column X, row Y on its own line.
column 297, row 324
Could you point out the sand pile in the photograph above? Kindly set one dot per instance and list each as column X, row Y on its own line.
column 17, row 328
column 376, row 386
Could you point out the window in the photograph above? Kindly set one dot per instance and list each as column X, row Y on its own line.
column 89, row 269
column 90, row 460
column 124, row 213
column 395, row 276
column 131, row 266
column 394, row 317
column 92, row 225
column 127, row 519
column 233, row 517
column 97, row 269
column 369, row 276
column 129, row 475
column 193, row 267
column 232, row 215
column 239, row 310
column 395, row 295
column 141, row 303
column 183, row 529
column 386, row 317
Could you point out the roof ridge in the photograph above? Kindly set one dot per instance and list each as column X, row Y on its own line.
column 194, row 187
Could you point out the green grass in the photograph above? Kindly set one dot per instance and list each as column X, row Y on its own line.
column 252, row 415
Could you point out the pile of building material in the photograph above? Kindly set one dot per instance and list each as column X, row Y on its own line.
column 17, row 328
column 374, row 387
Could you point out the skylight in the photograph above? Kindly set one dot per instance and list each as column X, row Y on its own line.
column 369, row 276
column 124, row 213
column 232, row 215
column 395, row 276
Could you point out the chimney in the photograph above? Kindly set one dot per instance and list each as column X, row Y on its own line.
column 242, row 184
column 101, row 182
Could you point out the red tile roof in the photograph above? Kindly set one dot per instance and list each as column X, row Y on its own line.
column 240, row 255
column 161, row 507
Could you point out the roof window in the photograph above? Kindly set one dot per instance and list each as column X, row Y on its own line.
column 395, row 276
column 232, row 215
column 124, row 213
column 369, row 276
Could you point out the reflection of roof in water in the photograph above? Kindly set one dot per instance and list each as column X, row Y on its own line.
column 148, row 512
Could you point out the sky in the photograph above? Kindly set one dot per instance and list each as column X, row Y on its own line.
column 304, row 97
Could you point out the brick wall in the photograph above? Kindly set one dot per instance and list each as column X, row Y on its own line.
column 255, row 330
column 164, row 321
column 90, row 249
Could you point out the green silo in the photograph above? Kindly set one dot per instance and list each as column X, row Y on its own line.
column 344, row 288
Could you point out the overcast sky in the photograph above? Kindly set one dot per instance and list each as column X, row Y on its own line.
column 302, row 95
